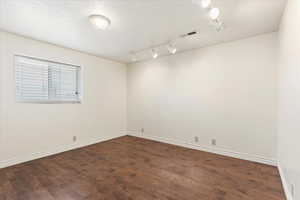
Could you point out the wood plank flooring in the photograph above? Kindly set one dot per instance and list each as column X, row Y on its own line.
column 130, row 168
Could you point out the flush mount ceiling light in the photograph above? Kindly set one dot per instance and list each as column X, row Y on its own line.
column 100, row 21
column 205, row 3
column 214, row 13
column 154, row 53
column 171, row 49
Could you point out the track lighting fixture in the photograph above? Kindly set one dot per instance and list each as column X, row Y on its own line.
column 171, row 49
column 219, row 26
column 214, row 13
column 154, row 53
column 205, row 3
column 216, row 22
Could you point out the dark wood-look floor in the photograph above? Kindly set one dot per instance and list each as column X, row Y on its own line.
column 133, row 168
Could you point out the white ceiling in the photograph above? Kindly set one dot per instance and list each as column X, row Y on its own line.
column 136, row 24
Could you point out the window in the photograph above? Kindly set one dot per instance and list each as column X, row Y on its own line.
column 43, row 81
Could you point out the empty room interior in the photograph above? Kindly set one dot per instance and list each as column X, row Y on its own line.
column 149, row 99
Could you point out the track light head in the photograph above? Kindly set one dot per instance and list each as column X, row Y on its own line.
column 171, row 49
column 218, row 25
column 214, row 13
column 205, row 3
column 154, row 54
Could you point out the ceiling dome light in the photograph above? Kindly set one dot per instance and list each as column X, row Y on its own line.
column 100, row 21
column 171, row 49
column 205, row 3
column 154, row 53
column 214, row 13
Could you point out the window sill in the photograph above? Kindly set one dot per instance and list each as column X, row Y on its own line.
column 50, row 102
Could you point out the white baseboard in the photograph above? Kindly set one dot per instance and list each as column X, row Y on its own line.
column 55, row 150
column 221, row 151
column 287, row 192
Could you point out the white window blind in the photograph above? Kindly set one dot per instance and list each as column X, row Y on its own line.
column 46, row 81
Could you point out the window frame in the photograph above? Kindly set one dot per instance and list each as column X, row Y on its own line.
column 79, row 83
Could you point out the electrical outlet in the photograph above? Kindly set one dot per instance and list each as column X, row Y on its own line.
column 196, row 139
column 74, row 138
column 214, row 142
column 142, row 130
column 293, row 190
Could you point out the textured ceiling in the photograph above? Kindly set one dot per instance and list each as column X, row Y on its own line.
column 136, row 24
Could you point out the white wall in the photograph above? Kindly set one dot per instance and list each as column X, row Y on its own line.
column 289, row 97
column 227, row 92
column 33, row 130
